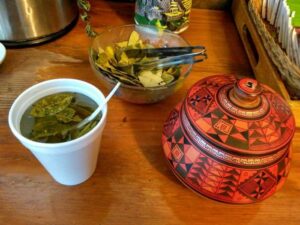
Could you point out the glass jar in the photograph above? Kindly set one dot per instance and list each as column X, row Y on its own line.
column 166, row 14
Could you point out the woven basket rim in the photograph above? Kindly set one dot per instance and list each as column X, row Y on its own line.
column 289, row 72
column 257, row 3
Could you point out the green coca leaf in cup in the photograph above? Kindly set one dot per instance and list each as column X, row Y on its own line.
column 51, row 117
column 45, row 127
column 51, row 105
column 68, row 115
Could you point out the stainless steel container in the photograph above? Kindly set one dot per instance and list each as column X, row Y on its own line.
column 26, row 22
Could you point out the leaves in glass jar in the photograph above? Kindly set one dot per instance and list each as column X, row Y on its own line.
column 151, row 78
column 134, row 38
column 118, row 62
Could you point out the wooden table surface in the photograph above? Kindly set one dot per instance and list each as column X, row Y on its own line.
column 132, row 183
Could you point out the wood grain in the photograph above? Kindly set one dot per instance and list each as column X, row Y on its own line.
column 212, row 4
column 132, row 183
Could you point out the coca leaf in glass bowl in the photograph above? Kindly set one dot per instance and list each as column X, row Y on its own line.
column 115, row 52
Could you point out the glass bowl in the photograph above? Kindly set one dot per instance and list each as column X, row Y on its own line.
column 158, row 38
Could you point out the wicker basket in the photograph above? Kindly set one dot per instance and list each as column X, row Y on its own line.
column 290, row 73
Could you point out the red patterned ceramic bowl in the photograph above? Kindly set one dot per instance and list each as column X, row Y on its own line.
column 230, row 140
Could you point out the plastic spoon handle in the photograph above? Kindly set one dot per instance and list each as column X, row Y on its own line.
column 99, row 108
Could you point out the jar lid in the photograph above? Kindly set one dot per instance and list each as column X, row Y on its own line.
column 239, row 115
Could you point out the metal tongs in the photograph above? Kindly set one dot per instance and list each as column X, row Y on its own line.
column 168, row 57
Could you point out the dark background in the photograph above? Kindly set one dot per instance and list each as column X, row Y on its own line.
column 207, row 4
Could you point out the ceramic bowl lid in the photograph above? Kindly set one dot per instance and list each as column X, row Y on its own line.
column 239, row 115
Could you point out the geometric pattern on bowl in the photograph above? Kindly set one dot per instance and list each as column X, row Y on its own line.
column 219, row 153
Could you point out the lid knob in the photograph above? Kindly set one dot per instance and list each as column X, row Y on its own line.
column 246, row 93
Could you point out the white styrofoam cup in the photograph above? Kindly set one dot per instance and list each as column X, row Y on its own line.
column 71, row 162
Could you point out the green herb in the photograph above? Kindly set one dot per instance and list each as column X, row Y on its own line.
column 55, row 114
column 51, row 105
column 85, row 7
column 117, row 62
column 68, row 115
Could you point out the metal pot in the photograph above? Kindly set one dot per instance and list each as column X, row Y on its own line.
column 26, row 22
column 230, row 140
